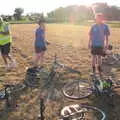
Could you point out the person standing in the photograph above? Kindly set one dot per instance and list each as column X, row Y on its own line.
column 98, row 41
column 40, row 44
column 5, row 44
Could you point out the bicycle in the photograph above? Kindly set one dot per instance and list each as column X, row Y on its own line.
column 9, row 94
column 81, row 112
column 98, row 85
column 35, row 75
column 111, row 58
column 51, row 78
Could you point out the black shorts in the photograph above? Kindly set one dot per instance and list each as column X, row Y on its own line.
column 5, row 49
column 97, row 51
column 40, row 49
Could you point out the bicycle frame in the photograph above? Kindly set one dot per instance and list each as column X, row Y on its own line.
column 51, row 77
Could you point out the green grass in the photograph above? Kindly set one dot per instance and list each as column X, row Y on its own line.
column 113, row 24
column 22, row 22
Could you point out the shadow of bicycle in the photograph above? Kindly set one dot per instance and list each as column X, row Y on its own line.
column 109, row 104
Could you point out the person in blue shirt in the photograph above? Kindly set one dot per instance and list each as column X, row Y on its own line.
column 98, row 41
column 40, row 43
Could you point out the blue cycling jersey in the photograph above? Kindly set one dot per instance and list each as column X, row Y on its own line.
column 39, row 37
column 98, row 33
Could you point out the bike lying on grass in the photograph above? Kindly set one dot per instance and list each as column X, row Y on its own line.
column 54, row 76
column 9, row 93
column 53, row 79
column 101, row 86
column 35, row 75
column 111, row 58
column 98, row 85
column 82, row 112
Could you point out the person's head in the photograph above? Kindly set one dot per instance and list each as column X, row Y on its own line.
column 41, row 23
column 1, row 20
column 99, row 17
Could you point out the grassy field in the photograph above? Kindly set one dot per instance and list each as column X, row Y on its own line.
column 70, row 42
column 113, row 24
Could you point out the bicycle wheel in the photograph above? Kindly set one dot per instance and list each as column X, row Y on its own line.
column 12, row 88
column 18, row 87
column 77, row 89
column 110, row 60
column 34, row 77
column 82, row 112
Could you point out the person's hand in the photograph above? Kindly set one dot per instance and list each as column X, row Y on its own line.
column 47, row 42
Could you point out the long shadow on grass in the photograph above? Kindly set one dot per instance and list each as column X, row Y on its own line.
column 110, row 105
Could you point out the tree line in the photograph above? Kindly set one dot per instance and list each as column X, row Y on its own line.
column 80, row 13
column 72, row 13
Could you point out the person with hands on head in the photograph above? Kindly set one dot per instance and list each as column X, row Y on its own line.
column 98, row 41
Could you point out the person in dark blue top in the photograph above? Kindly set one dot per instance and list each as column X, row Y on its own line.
column 98, row 41
column 40, row 43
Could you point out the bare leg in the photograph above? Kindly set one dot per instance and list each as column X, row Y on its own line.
column 99, row 63
column 10, row 58
column 37, row 58
column 93, row 62
column 99, row 60
column 5, row 60
column 42, row 58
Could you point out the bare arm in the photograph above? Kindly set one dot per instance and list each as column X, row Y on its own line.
column 107, row 34
column 44, row 35
column 107, row 39
column 90, row 39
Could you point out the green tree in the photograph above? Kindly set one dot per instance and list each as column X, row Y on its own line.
column 35, row 16
column 18, row 13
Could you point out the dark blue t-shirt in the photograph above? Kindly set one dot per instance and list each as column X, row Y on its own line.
column 39, row 37
column 98, row 34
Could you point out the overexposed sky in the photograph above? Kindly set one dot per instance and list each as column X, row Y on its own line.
column 8, row 6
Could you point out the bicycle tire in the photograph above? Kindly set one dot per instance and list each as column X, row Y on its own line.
column 81, row 85
column 78, row 112
column 33, row 78
column 110, row 60
column 12, row 88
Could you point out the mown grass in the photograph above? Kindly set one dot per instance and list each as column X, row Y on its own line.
column 70, row 42
column 113, row 24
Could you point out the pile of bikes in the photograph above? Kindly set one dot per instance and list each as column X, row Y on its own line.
column 74, row 89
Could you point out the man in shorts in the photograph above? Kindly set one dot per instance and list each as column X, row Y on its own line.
column 5, row 43
column 98, row 41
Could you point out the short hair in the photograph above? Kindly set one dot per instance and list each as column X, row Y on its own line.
column 99, row 15
column 41, row 21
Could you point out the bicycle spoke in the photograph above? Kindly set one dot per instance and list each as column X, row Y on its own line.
column 82, row 112
column 77, row 90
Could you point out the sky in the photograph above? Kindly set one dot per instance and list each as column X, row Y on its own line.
column 8, row 6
